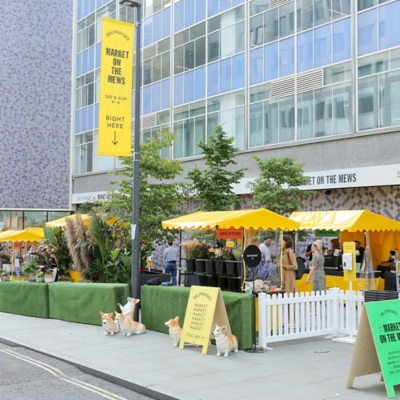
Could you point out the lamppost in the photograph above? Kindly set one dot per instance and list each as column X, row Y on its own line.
column 135, row 229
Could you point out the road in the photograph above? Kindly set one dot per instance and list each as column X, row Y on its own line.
column 25, row 374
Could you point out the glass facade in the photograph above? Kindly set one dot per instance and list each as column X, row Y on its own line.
column 271, row 72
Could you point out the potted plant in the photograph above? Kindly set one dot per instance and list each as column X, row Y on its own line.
column 190, row 257
column 29, row 270
column 40, row 277
column 232, row 266
column 220, row 267
column 201, row 253
column 48, row 276
column 5, row 276
column 65, row 278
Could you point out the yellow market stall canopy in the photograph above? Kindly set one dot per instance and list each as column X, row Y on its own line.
column 63, row 221
column 351, row 221
column 86, row 218
column 27, row 235
column 384, row 232
column 247, row 219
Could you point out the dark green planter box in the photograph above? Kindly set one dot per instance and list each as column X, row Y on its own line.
column 25, row 298
column 82, row 302
column 160, row 303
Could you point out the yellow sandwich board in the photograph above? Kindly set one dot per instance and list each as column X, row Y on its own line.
column 115, row 110
column 205, row 308
column 377, row 344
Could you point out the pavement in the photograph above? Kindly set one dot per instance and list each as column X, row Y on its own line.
column 312, row 369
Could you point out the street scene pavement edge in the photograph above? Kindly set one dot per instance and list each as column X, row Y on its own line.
column 312, row 369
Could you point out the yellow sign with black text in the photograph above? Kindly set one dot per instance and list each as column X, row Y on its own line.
column 115, row 110
column 205, row 308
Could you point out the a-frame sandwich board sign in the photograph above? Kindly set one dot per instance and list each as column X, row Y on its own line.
column 205, row 308
column 377, row 347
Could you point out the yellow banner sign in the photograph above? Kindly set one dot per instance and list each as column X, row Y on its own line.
column 205, row 308
column 115, row 111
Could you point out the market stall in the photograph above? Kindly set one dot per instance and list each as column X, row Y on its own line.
column 246, row 222
column 383, row 235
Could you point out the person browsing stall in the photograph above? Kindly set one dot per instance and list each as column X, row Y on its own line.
column 317, row 273
column 289, row 265
column 170, row 256
column 265, row 248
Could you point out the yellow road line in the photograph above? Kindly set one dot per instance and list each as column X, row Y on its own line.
column 61, row 375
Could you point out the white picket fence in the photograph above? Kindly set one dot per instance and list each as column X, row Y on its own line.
column 307, row 315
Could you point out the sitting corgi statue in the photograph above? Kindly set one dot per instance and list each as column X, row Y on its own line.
column 127, row 326
column 175, row 331
column 109, row 325
column 129, row 308
column 225, row 343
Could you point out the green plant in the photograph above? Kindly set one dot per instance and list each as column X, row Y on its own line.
column 214, row 184
column 5, row 273
column 227, row 253
column 200, row 251
column 56, row 237
column 277, row 186
column 63, row 278
column 30, row 267
column 40, row 275
column 160, row 196
column 237, row 254
column 106, row 237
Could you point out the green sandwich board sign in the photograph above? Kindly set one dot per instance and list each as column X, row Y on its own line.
column 377, row 347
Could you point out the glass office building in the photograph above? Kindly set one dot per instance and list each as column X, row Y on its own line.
column 317, row 80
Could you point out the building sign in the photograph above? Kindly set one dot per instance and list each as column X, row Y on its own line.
column 115, row 110
column 80, row 198
column 384, row 175
column 229, row 233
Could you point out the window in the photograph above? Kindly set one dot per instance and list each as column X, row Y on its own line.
column 389, row 26
column 322, row 46
column 305, row 115
column 368, row 103
column 286, row 57
column 305, row 15
column 367, row 32
column 305, row 51
column 341, row 40
column 256, row 66
column 337, row 73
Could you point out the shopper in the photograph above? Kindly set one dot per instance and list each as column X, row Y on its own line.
column 265, row 248
column 317, row 273
column 170, row 255
column 289, row 265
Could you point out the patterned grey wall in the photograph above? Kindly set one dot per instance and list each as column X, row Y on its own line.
column 35, row 91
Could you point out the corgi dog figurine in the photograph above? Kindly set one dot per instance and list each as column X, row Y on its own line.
column 109, row 325
column 127, row 326
column 225, row 343
column 175, row 331
column 129, row 308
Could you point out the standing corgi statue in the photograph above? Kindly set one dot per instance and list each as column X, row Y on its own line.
column 129, row 327
column 109, row 325
column 175, row 331
column 225, row 343
column 129, row 308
